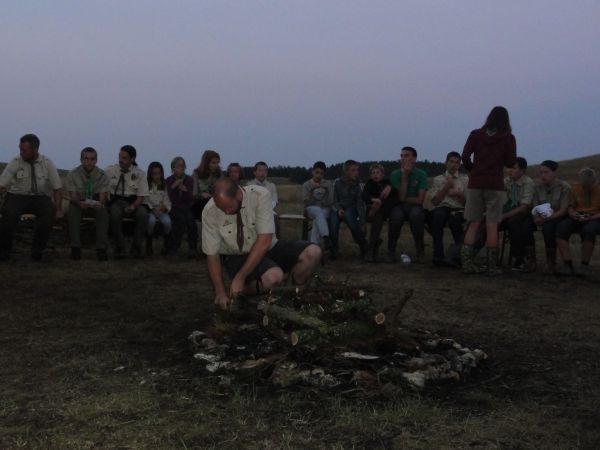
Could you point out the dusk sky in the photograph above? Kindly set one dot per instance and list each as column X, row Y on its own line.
column 291, row 82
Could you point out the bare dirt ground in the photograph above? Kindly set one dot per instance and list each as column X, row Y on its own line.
column 96, row 356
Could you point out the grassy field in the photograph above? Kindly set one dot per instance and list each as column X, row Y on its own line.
column 96, row 356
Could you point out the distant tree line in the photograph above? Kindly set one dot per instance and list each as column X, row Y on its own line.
column 299, row 174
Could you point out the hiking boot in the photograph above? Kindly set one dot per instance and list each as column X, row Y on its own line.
column 75, row 253
column 492, row 262
column 102, row 254
column 467, row 259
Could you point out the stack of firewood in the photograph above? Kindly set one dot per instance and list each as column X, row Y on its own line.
column 330, row 336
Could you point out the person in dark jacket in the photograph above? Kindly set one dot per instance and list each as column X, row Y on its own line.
column 348, row 206
column 379, row 197
column 487, row 152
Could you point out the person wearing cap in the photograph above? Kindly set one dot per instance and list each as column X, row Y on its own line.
column 32, row 184
column 515, row 215
column 238, row 235
column 128, row 190
column 88, row 189
column 550, row 206
column 584, row 218
column 448, row 196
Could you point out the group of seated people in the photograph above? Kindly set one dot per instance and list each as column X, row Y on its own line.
column 172, row 206
column 152, row 202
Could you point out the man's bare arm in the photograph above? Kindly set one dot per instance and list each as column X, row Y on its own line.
column 257, row 253
column 215, row 273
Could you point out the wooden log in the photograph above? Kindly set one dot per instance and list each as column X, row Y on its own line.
column 290, row 316
column 334, row 333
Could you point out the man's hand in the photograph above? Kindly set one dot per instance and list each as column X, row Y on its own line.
column 131, row 208
column 407, row 168
column 222, row 300
column 59, row 214
column 340, row 213
column 539, row 220
column 205, row 196
column 386, row 192
column 83, row 205
column 376, row 202
column 157, row 212
column 183, row 188
column 237, row 285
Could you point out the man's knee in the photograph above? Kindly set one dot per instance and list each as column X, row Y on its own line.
column 397, row 215
column 271, row 278
column 311, row 254
column 589, row 231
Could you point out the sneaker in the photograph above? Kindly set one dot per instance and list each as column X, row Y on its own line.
column 583, row 271
column 101, row 254
column 75, row 253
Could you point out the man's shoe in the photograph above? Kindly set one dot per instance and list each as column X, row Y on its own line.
column 102, row 254
column 119, row 253
column 566, row 271
column 75, row 253
column 136, row 251
column 493, row 270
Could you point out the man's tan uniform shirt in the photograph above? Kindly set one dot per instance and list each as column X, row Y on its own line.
column 220, row 230
column 17, row 177
column 460, row 183
column 135, row 182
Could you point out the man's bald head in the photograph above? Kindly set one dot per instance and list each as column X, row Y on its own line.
column 227, row 195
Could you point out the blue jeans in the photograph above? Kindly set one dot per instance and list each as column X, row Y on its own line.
column 320, row 227
column 352, row 219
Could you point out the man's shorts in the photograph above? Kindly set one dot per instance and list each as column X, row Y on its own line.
column 284, row 255
column 568, row 226
column 484, row 202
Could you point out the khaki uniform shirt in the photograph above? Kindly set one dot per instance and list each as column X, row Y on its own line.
column 78, row 179
column 16, row 177
column 557, row 194
column 136, row 183
column 268, row 186
column 460, row 183
column 157, row 198
column 219, row 230
column 522, row 190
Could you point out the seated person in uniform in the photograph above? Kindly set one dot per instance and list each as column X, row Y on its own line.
column 238, row 235
column 128, row 190
column 515, row 217
column 31, row 180
column 411, row 184
column 88, row 193
column 379, row 198
column 261, row 170
column 348, row 206
column 583, row 218
column 317, row 194
column 550, row 206
column 448, row 195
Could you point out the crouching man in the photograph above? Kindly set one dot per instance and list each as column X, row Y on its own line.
column 238, row 234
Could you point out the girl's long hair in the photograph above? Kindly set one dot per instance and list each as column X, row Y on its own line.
column 203, row 170
column 153, row 165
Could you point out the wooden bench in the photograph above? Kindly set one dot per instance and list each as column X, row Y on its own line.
column 306, row 223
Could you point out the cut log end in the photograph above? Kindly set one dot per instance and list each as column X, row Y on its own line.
column 379, row 318
column 294, row 339
column 265, row 321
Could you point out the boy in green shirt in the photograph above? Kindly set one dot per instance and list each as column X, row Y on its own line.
column 411, row 184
